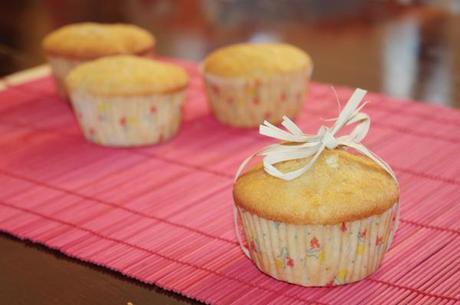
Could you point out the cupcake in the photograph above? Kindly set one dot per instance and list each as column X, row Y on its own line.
column 322, row 215
column 249, row 83
column 127, row 100
column 77, row 43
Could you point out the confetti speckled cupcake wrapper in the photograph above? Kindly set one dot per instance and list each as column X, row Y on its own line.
column 319, row 255
column 128, row 121
column 248, row 102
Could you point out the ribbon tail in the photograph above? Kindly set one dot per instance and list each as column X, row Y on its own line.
column 243, row 165
column 237, row 232
column 363, row 150
column 349, row 109
column 235, row 208
column 291, row 126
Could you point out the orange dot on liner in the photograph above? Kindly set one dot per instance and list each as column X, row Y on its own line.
column 153, row 109
column 123, row 121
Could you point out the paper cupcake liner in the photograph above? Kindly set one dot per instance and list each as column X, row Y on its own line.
column 248, row 102
column 60, row 67
column 319, row 255
column 128, row 121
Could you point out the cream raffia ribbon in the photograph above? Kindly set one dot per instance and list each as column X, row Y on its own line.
column 305, row 145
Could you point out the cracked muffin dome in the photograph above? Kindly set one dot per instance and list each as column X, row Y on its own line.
column 126, row 75
column 91, row 40
column 248, row 60
column 340, row 187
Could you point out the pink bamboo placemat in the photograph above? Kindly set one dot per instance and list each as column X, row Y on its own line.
column 162, row 214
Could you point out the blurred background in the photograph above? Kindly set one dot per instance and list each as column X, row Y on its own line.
column 403, row 48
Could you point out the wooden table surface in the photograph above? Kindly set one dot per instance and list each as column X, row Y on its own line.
column 410, row 51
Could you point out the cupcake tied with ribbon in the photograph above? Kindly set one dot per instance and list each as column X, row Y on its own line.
column 314, row 213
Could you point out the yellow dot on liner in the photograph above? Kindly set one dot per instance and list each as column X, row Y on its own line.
column 360, row 249
column 101, row 107
column 252, row 91
column 322, row 256
column 279, row 263
column 131, row 120
column 342, row 275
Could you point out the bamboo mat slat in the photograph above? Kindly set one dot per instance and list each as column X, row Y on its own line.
column 162, row 214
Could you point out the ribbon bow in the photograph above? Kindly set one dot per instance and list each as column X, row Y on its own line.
column 304, row 145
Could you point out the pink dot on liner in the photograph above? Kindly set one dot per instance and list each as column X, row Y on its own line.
column 283, row 96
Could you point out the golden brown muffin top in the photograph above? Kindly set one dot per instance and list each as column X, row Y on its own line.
column 126, row 75
column 339, row 187
column 250, row 60
column 91, row 40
